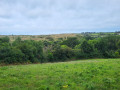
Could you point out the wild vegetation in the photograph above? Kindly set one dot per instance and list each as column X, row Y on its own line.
column 81, row 46
column 93, row 74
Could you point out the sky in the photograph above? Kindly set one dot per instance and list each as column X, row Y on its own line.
column 36, row 17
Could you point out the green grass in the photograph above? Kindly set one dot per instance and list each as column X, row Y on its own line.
column 94, row 74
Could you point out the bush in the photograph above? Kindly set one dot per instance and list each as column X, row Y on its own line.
column 4, row 39
column 50, row 57
column 63, row 53
column 117, row 55
column 70, row 42
column 11, row 55
column 78, row 54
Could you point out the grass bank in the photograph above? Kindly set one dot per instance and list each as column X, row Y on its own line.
column 94, row 74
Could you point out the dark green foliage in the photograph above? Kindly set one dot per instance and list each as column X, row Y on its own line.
column 101, row 45
column 107, row 46
column 78, row 54
column 117, row 54
column 88, row 37
column 71, row 42
column 86, row 47
column 10, row 55
column 111, row 42
column 88, row 50
column 28, row 50
column 110, row 54
column 17, row 41
column 46, row 43
column 63, row 53
column 32, row 50
column 24, row 51
column 118, row 44
column 21, row 52
column 50, row 57
column 4, row 39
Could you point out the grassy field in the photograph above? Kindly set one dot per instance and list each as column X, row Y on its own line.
column 39, row 37
column 53, row 36
column 93, row 74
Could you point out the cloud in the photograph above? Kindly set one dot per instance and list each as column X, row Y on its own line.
column 58, row 16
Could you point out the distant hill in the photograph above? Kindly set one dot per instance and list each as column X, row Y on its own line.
column 40, row 37
column 56, row 36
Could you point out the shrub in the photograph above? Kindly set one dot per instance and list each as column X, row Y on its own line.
column 70, row 42
column 4, row 39
column 63, row 53
column 10, row 55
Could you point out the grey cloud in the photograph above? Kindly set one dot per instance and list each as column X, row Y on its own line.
column 56, row 15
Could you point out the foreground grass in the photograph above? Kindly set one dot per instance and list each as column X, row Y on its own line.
column 99, row 74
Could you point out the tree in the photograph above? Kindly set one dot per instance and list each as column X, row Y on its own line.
column 4, row 39
column 88, row 50
column 50, row 57
column 63, row 53
column 33, row 50
column 17, row 41
column 86, row 47
column 111, row 41
column 118, row 44
column 29, row 51
column 70, row 42
column 11, row 55
column 102, row 47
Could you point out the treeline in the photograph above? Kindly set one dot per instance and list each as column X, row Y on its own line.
column 30, row 51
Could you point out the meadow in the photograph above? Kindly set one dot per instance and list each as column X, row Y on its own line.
column 39, row 37
column 92, row 74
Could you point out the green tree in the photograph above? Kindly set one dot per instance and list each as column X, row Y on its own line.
column 11, row 55
column 118, row 44
column 71, row 42
column 4, row 39
column 63, row 53
column 29, row 51
column 86, row 47
column 88, row 50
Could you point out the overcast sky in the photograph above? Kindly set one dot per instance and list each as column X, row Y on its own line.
column 58, row 16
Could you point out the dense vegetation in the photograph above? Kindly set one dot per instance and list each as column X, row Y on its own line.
column 97, row 74
column 79, row 47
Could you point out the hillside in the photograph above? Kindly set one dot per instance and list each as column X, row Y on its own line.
column 56, row 36
column 94, row 74
column 39, row 37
